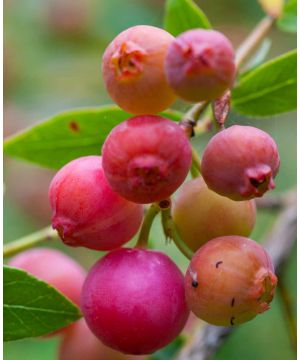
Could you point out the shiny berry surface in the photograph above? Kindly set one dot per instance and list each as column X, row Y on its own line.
column 134, row 301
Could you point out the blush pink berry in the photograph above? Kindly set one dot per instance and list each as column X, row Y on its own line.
column 86, row 211
column 133, row 70
column 201, row 214
column 133, row 300
column 240, row 162
column 146, row 158
column 79, row 343
column 53, row 267
column 200, row 65
column 229, row 281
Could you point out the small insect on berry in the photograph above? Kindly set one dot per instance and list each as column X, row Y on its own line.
column 235, row 281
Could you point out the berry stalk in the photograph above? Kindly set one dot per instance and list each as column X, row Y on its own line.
column 29, row 241
column 255, row 38
column 171, row 231
column 153, row 210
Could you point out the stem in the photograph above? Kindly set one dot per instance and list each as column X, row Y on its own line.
column 250, row 44
column 142, row 241
column 28, row 241
column 287, row 305
column 196, row 163
column 195, row 111
column 171, row 231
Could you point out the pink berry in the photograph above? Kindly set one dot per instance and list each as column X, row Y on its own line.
column 229, row 281
column 201, row 214
column 133, row 70
column 53, row 267
column 146, row 158
column 200, row 65
column 86, row 212
column 79, row 343
column 240, row 162
column 133, row 300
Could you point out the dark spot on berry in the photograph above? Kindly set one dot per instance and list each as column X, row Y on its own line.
column 219, row 263
column 232, row 302
column 74, row 126
column 232, row 320
column 194, row 283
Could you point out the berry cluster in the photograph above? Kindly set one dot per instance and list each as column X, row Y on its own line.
column 136, row 300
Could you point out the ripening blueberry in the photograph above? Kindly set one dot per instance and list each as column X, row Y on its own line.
column 133, row 70
column 200, row 65
column 240, row 162
column 146, row 158
column 133, row 300
column 53, row 267
column 86, row 211
column 229, row 281
column 201, row 214
column 79, row 343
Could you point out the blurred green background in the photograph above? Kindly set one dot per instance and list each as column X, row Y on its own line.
column 52, row 58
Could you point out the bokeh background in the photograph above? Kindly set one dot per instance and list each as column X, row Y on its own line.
column 52, row 58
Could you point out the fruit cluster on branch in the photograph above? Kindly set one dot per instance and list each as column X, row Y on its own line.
column 136, row 300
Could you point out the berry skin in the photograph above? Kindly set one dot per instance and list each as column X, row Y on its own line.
column 80, row 343
column 133, row 300
column 133, row 70
column 240, row 162
column 200, row 65
column 229, row 281
column 201, row 214
column 146, row 158
column 53, row 267
column 86, row 212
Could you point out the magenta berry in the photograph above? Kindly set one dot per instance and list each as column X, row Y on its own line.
column 229, row 281
column 146, row 158
column 53, row 267
column 200, row 65
column 79, row 343
column 201, row 214
column 240, row 162
column 86, row 211
column 134, row 301
column 133, row 70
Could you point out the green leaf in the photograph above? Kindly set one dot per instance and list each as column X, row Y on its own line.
column 183, row 15
column 269, row 89
column 33, row 308
column 288, row 20
column 69, row 135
